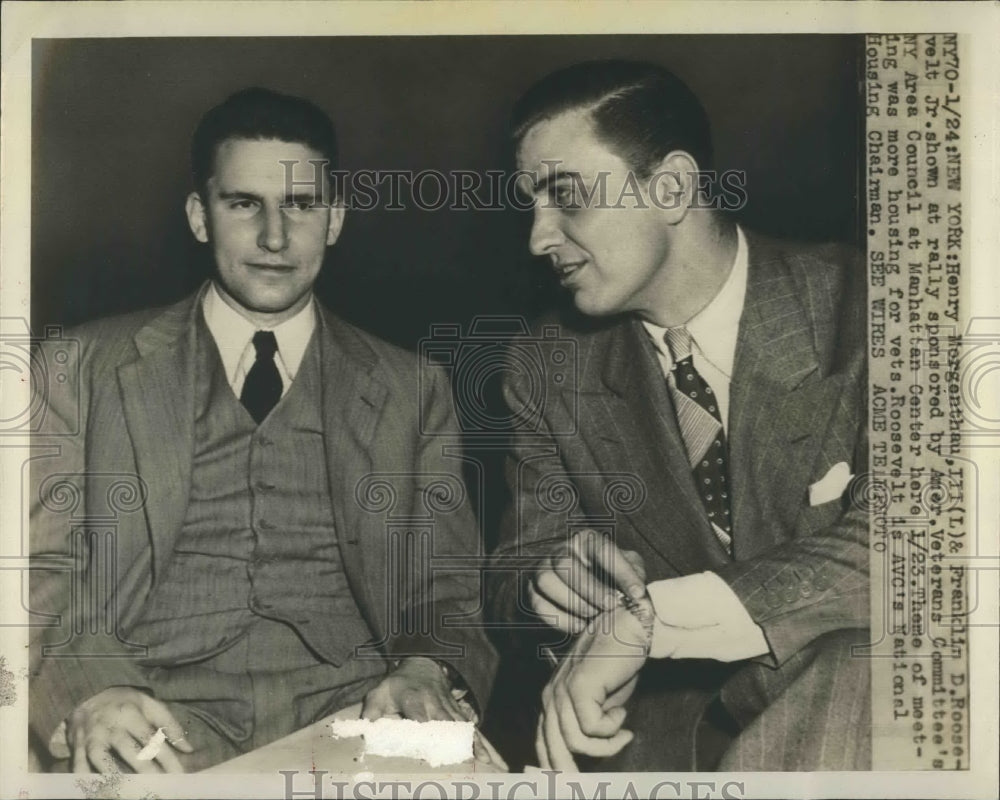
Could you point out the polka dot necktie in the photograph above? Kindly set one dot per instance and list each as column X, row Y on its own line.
column 704, row 437
column 262, row 387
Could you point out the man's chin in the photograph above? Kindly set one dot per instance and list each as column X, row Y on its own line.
column 592, row 306
column 262, row 305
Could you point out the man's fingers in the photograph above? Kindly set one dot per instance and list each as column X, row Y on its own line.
column 127, row 749
column 558, row 618
column 132, row 737
column 454, row 710
column 595, row 722
column 486, row 752
column 610, row 739
column 100, row 759
column 586, row 575
column 558, row 753
column 587, row 701
column 618, row 568
column 447, row 711
column 80, row 765
column 599, row 744
column 168, row 761
column 161, row 756
column 569, row 728
column 417, row 708
column 540, row 749
column 159, row 716
column 568, row 585
column 635, row 560
column 427, row 705
column 375, row 704
column 620, row 695
column 605, row 748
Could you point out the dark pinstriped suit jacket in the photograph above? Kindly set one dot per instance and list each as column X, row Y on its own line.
column 131, row 399
column 797, row 407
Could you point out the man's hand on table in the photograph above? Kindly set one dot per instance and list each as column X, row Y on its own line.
column 116, row 724
column 574, row 585
column 582, row 705
column 417, row 689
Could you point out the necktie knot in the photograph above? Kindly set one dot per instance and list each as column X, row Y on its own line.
column 678, row 342
column 266, row 345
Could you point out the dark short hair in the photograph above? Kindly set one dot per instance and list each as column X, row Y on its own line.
column 641, row 111
column 257, row 113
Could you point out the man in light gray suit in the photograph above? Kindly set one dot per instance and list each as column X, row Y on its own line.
column 252, row 586
column 717, row 419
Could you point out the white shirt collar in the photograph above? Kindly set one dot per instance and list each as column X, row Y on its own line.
column 715, row 328
column 233, row 333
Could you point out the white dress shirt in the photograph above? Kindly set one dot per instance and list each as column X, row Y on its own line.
column 713, row 331
column 699, row 616
column 233, row 334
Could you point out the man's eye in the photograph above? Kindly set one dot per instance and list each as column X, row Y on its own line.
column 242, row 205
column 565, row 196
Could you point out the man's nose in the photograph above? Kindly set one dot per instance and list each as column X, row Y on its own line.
column 546, row 235
column 273, row 232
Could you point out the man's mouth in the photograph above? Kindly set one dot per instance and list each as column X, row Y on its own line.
column 565, row 271
column 264, row 265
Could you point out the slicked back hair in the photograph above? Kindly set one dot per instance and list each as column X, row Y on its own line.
column 260, row 114
column 641, row 111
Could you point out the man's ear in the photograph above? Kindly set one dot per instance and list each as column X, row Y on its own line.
column 197, row 219
column 336, row 221
column 673, row 184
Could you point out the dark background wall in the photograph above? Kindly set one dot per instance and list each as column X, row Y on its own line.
column 112, row 119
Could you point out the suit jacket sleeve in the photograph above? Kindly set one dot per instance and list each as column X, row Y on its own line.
column 818, row 580
column 66, row 677
column 455, row 599
column 530, row 529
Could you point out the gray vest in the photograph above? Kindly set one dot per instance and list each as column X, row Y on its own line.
column 255, row 584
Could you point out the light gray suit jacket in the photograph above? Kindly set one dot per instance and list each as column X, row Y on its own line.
column 128, row 411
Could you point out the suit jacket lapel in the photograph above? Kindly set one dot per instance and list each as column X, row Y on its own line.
column 626, row 411
column 353, row 397
column 776, row 394
column 157, row 391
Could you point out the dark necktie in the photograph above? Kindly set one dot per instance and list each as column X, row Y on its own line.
column 704, row 437
column 262, row 387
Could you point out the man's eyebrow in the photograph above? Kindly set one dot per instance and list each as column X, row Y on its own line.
column 299, row 196
column 544, row 184
column 239, row 195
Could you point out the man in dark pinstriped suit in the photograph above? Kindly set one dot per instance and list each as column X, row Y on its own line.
column 251, row 588
column 702, row 634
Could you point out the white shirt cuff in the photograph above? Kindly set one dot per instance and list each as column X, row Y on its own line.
column 699, row 616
